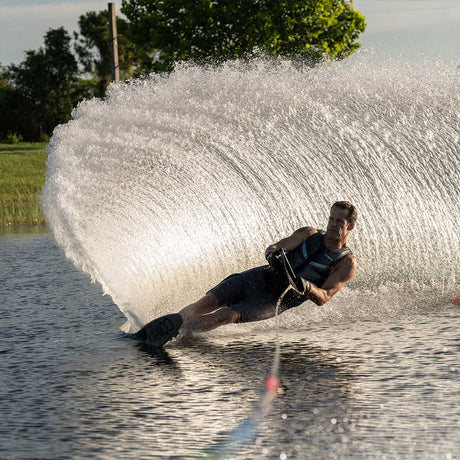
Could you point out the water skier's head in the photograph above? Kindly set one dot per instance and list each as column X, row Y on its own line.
column 341, row 220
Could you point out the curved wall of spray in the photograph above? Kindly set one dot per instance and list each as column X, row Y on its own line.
column 173, row 182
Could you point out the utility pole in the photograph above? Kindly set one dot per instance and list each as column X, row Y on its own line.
column 113, row 43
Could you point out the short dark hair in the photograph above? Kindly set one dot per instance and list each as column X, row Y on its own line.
column 352, row 211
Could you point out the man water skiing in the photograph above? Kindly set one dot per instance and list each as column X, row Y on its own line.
column 316, row 263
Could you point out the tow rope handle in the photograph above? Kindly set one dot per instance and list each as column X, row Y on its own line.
column 294, row 281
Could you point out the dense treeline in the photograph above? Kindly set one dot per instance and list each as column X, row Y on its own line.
column 41, row 91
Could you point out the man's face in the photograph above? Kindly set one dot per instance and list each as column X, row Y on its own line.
column 338, row 226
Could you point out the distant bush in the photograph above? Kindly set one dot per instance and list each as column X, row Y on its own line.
column 13, row 138
column 44, row 138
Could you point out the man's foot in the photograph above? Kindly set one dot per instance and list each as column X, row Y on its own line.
column 160, row 330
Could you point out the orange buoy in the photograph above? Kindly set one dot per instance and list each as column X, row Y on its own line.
column 456, row 300
column 272, row 383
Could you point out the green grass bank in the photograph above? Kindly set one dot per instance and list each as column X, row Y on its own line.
column 22, row 175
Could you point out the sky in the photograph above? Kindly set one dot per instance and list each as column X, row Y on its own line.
column 428, row 27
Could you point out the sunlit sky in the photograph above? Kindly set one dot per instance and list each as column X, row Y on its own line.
column 393, row 26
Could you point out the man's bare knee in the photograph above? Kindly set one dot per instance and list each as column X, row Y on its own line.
column 210, row 301
column 226, row 315
column 206, row 304
column 221, row 317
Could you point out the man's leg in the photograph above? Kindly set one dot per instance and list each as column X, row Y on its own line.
column 207, row 322
column 206, row 314
column 206, row 304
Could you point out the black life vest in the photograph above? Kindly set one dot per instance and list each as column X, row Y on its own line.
column 320, row 265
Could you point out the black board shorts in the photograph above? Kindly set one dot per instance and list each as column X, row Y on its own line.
column 253, row 294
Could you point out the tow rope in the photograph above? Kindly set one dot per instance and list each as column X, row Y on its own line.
column 246, row 431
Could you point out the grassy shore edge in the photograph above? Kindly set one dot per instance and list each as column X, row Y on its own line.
column 22, row 176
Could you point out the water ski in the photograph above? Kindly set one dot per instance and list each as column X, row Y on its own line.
column 160, row 330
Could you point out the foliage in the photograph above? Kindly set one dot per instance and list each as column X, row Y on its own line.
column 93, row 51
column 13, row 138
column 222, row 29
column 40, row 92
column 43, row 89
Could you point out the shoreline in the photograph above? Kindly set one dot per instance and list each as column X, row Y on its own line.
column 22, row 176
column 24, row 229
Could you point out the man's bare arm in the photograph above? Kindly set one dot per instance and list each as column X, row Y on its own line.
column 291, row 242
column 341, row 273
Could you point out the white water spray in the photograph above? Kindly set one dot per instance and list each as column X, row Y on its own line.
column 172, row 183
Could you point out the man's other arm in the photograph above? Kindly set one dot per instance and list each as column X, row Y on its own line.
column 291, row 242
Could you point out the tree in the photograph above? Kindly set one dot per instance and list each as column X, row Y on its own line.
column 92, row 48
column 223, row 29
column 45, row 86
column 7, row 124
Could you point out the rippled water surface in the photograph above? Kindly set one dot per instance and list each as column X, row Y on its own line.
column 73, row 386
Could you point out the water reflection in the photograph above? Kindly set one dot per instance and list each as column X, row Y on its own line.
column 214, row 385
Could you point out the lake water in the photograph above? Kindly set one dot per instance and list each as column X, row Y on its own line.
column 72, row 386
